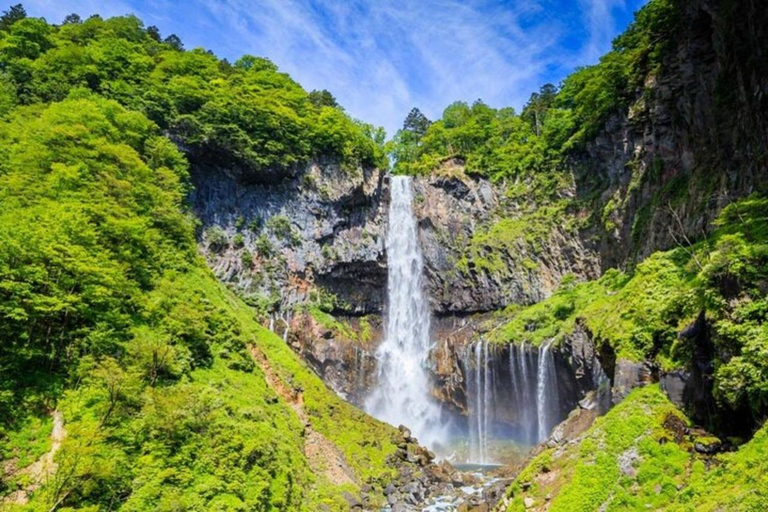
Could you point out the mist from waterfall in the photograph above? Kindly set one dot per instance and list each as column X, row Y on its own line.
column 402, row 393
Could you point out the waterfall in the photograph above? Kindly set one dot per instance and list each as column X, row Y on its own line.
column 481, row 399
column 546, row 394
column 523, row 397
column 402, row 393
column 533, row 391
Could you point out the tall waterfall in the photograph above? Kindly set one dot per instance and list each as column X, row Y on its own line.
column 402, row 393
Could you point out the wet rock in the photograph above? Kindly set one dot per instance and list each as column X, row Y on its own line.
column 400, row 507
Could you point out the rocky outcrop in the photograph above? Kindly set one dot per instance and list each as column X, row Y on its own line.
column 691, row 388
column 277, row 242
column 454, row 211
column 342, row 354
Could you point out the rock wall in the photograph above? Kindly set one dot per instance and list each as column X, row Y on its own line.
column 694, row 140
column 451, row 209
column 317, row 237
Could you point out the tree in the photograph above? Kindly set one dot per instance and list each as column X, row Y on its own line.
column 174, row 42
column 538, row 104
column 72, row 19
column 11, row 16
column 323, row 99
column 154, row 33
column 416, row 122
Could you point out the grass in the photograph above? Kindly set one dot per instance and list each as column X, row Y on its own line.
column 588, row 474
column 628, row 460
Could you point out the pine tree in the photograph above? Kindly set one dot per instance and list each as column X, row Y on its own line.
column 11, row 16
column 416, row 122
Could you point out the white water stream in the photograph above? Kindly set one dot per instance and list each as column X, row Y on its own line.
column 402, row 393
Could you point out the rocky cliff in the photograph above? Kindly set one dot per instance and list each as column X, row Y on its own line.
column 317, row 237
column 693, row 139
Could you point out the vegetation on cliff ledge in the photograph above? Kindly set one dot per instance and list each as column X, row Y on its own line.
column 641, row 456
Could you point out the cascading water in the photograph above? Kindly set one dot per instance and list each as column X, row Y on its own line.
column 531, row 392
column 546, row 393
column 524, row 396
column 402, row 393
column 481, row 388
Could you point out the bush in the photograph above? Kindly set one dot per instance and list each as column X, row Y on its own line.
column 217, row 239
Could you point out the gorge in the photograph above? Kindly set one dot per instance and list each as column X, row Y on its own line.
column 219, row 291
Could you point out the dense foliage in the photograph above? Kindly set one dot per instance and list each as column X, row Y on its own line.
column 108, row 315
column 499, row 143
column 247, row 113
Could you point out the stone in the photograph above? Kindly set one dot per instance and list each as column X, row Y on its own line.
column 353, row 501
column 528, row 502
column 707, row 445
column 627, row 460
column 628, row 376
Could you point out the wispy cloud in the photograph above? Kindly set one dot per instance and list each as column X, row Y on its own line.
column 379, row 57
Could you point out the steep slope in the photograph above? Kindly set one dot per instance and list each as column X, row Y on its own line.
column 112, row 321
column 642, row 455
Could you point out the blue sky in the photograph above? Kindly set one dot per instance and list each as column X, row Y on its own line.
column 380, row 58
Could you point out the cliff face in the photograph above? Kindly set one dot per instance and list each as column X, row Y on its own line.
column 317, row 237
column 466, row 275
column 694, row 140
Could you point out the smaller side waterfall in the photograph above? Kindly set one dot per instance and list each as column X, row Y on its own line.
column 513, row 395
column 546, row 393
column 481, row 388
column 524, row 397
